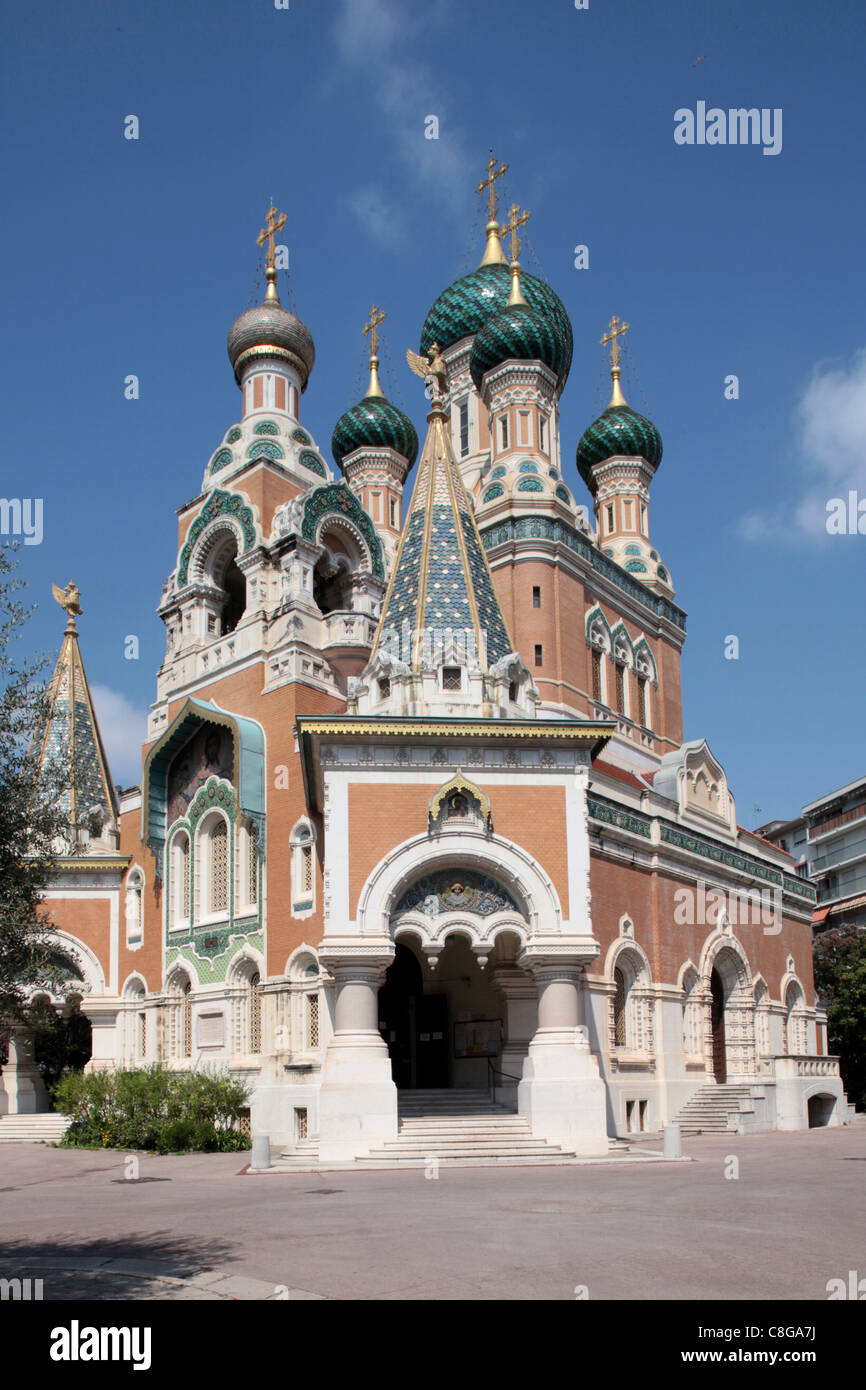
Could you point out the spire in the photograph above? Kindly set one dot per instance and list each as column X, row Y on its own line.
column 493, row 253
column 71, row 728
column 615, row 330
column 516, row 220
column 441, row 580
column 377, row 316
column 276, row 221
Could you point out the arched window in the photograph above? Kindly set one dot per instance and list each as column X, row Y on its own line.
column 224, row 574
column 134, row 894
column 631, row 1017
column 247, row 1010
column 213, row 854
column 255, row 1012
column 187, row 1020
column 180, row 1016
column 795, row 1020
column 178, row 888
column 248, row 867
column 693, row 1040
column 762, row 1019
column 302, row 849
column 136, row 1022
column 312, row 1030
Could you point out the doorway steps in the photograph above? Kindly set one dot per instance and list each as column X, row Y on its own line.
column 708, row 1110
column 459, row 1127
column 33, row 1129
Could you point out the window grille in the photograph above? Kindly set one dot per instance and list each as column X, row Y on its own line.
column 643, row 701
column 620, row 689
column 219, row 867
column 252, row 866
column 300, row 1123
column 243, row 1124
column 255, row 1013
column 596, row 675
column 142, row 1035
column 312, row 1021
column 451, row 678
column 307, row 869
column 187, row 1020
column 619, row 1032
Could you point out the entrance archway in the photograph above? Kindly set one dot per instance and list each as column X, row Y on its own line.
column 414, row 1025
column 717, row 1023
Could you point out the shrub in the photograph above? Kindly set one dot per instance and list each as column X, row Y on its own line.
column 152, row 1108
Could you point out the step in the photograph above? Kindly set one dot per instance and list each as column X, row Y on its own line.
column 33, row 1129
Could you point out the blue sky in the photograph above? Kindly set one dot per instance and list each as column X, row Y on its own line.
column 135, row 256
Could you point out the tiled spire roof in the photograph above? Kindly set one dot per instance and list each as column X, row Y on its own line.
column 441, row 578
column 71, row 731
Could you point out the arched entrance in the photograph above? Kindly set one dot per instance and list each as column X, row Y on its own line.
column 717, row 1024
column 414, row 1025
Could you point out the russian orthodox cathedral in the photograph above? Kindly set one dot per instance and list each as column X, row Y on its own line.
column 417, row 831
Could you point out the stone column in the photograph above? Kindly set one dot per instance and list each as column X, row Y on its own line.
column 22, row 1080
column 106, row 1038
column 521, row 1014
column 357, row 1098
column 562, row 1093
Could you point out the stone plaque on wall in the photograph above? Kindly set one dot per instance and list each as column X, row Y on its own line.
column 212, row 1030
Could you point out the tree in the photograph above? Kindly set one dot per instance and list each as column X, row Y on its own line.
column 840, row 979
column 34, row 814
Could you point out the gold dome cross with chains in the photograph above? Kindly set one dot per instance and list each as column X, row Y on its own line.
column 489, row 185
column 377, row 316
column 615, row 330
column 516, row 220
column 276, row 221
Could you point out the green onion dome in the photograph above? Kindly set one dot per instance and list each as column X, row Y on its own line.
column 466, row 306
column 618, row 430
column 519, row 333
column 376, row 423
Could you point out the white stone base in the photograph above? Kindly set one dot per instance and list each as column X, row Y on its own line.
column 357, row 1098
column 562, row 1094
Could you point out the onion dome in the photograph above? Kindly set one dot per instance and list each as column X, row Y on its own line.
column 374, row 422
column 377, row 424
column 468, row 304
column 269, row 330
column 619, row 430
column 519, row 333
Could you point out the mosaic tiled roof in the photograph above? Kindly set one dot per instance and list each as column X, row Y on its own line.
column 618, row 430
column 441, row 578
column 377, row 423
column 467, row 305
column 71, row 732
column 520, row 333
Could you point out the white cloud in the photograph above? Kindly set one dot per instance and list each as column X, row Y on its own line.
column 830, row 420
column 378, row 218
column 377, row 39
column 123, row 729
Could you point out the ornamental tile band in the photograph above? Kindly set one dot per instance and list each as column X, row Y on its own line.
column 608, row 811
column 550, row 529
column 312, row 461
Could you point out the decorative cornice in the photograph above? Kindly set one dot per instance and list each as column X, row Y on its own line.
column 84, row 866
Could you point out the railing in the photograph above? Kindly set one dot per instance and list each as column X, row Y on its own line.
column 807, row 1066
column 492, row 1073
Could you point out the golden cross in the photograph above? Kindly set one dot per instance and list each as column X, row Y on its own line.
column 275, row 223
column 516, row 219
column 489, row 184
column 377, row 316
column 615, row 330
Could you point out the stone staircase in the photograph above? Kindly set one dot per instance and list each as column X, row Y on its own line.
column 708, row 1110
column 459, row 1127
column 33, row 1129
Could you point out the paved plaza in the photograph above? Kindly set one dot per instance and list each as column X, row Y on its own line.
column 197, row 1227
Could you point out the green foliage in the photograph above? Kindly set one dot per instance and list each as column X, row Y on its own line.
column 61, row 1043
column 840, row 979
column 34, row 809
column 151, row 1108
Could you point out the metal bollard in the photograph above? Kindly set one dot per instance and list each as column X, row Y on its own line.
column 673, row 1142
column 261, row 1153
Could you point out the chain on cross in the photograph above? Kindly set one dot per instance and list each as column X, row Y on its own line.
column 615, row 330
column 488, row 185
column 276, row 221
column 377, row 316
column 516, row 220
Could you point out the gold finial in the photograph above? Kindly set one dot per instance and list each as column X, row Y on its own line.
column 68, row 600
column 377, row 316
column 516, row 220
column 493, row 254
column 276, row 221
column 615, row 330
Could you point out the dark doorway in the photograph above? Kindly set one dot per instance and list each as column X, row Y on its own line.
column 414, row 1025
column 717, row 1015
